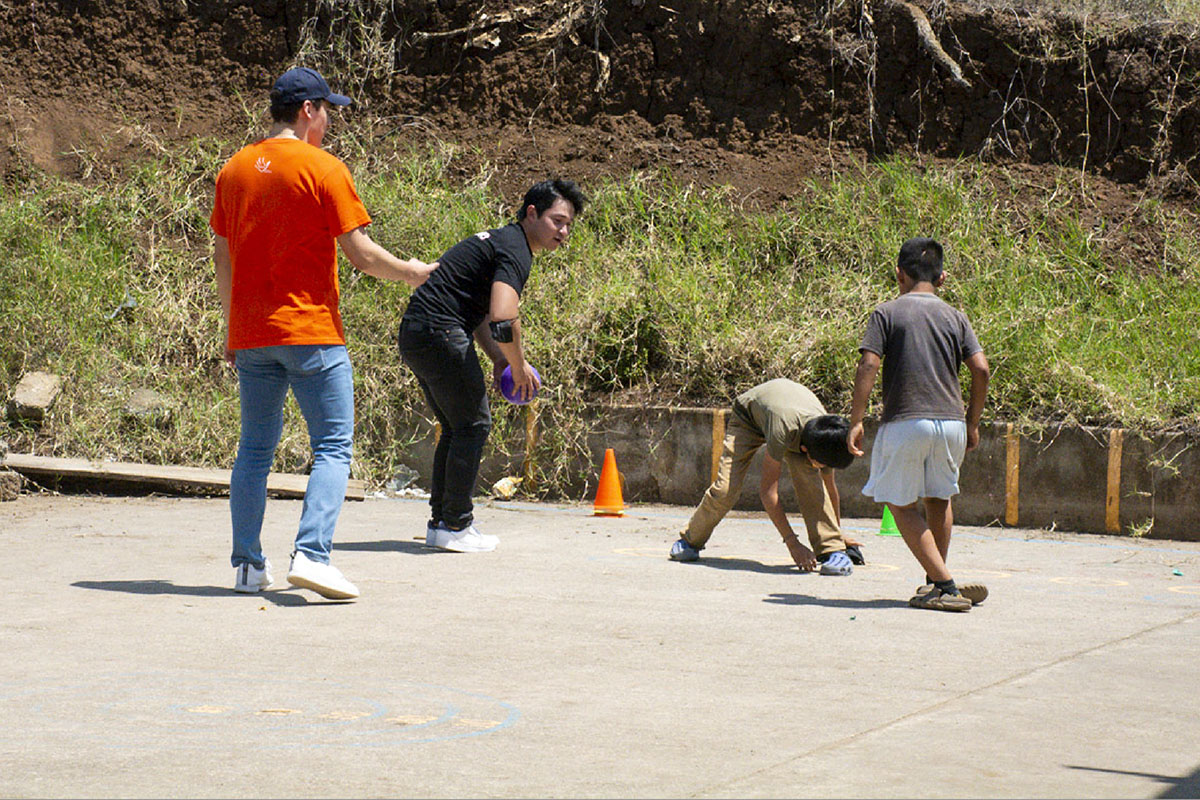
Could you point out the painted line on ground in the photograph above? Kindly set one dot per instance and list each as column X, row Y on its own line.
column 686, row 512
column 1072, row 580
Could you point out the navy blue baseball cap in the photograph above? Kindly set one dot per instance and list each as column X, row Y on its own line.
column 300, row 84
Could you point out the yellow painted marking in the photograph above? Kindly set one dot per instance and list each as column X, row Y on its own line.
column 764, row 560
column 474, row 724
column 410, row 719
column 345, row 716
column 718, row 441
column 1090, row 581
column 1112, row 505
column 875, row 566
column 1185, row 589
column 279, row 711
column 1012, row 476
column 208, row 709
column 634, row 551
column 531, row 435
column 870, row 566
column 662, row 553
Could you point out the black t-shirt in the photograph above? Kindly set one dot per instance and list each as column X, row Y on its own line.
column 459, row 292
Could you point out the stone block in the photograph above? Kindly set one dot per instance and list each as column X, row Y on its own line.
column 149, row 407
column 10, row 485
column 34, row 396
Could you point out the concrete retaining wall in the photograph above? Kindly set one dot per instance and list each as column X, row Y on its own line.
column 1090, row 480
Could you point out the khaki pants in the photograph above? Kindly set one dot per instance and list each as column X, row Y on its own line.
column 741, row 443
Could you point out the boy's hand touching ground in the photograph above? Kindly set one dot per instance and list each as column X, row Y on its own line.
column 803, row 557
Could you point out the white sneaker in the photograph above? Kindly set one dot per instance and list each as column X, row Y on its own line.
column 249, row 579
column 324, row 579
column 431, row 534
column 468, row 540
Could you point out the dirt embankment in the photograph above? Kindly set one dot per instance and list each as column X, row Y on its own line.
column 760, row 94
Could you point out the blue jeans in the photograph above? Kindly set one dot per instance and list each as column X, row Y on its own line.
column 320, row 377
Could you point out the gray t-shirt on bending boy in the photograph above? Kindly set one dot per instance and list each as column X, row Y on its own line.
column 923, row 342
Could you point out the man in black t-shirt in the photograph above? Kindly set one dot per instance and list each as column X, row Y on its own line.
column 475, row 292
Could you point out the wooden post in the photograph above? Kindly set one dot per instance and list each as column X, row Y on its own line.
column 529, row 468
column 1012, row 476
column 718, row 441
column 1112, row 504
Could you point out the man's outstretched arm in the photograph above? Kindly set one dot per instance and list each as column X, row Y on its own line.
column 366, row 255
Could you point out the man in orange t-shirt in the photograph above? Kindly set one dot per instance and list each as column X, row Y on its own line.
column 282, row 207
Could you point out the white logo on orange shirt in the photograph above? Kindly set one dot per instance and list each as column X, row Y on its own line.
column 262, row 165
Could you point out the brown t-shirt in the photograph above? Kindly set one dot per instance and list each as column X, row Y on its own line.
column 778, row 410
column 923, row 342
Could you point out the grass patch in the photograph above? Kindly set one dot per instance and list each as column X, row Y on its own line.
column 667, row 293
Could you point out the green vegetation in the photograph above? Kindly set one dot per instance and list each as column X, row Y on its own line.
column 1178, row 11
column 667, row 293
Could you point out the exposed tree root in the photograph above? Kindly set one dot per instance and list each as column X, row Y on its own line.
column 930, row 42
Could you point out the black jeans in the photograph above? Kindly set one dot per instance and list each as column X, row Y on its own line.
column 449, row 374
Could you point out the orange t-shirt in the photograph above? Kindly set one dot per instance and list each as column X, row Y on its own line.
column 282, row 203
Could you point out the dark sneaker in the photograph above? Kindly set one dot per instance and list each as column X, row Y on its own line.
column 836, row 563
column 682, row 551
column 975, row 592
column 937, row 600
column 855, row 554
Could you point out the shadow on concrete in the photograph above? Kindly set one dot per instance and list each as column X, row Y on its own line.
column 831, row 602
column 1186, row 787
column 745, row 565
column 279, row 598
column 388, row 546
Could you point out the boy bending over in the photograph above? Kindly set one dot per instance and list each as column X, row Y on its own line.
column 792, row 423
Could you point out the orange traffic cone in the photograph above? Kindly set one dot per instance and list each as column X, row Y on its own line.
column 608, row 493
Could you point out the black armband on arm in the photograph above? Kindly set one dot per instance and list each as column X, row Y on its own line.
column 502, row 331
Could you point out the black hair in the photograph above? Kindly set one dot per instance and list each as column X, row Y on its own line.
column 543, row 195
column 824, row 438
column 921, row 259
column 287, row 112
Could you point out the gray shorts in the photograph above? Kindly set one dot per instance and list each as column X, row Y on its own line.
column 915, row 458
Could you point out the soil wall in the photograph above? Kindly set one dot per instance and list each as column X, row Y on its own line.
column 689, row 83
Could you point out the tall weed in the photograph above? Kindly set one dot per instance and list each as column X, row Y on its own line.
column 667, row 293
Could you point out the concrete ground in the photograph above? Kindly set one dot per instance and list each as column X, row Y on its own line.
column 577, row 661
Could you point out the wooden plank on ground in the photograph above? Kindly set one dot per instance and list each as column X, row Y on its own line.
column 279, row 484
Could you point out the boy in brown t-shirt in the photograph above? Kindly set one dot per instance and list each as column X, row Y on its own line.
column 788, row 421
column 924, row 433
